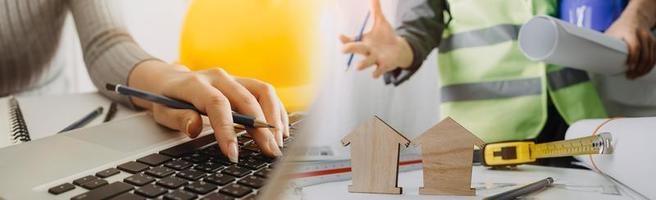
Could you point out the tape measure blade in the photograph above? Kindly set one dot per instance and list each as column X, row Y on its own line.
column 579, row 146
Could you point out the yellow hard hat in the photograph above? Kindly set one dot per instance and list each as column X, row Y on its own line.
column 270, row 40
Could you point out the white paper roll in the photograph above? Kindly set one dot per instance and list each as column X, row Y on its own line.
column 554, row 41
column 633, row 161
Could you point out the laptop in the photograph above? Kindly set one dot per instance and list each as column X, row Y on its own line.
column 133, row 158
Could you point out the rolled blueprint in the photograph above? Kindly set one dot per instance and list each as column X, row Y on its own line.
column 554, row 41
column 633, row 161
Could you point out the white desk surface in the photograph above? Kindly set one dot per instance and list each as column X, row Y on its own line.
column 572, row 184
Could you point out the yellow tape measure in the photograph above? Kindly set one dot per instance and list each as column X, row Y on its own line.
column 521, row 152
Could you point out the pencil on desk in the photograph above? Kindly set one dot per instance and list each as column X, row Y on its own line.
column 522, row 191
column 85, row 120
column 237, row 118
column 358, row 38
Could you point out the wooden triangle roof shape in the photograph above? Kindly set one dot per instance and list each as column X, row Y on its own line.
column 438, row 130
column 376, row 121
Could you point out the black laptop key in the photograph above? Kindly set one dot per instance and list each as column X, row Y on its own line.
column 160, row 172
column 196, row 157
column 264, row 173
column 188, row 147
column 171, row 182
column 129, row 196
column 252, row 164
column 246, row 154
column 191, row 174
column 105, row 192
column 180, row 195
column 93, row 184
column 139, row 179
column 264, row 158
column 65, row 187
column 220, row 159
column 150, row 191
column 85, row 179
column 236, row 171
column 236, row 190
column 199, row 187
column 154, row 159
column 217, row 196
column 252, row 181
column 209, row 167
column 107, row 173
column 220, row 179
column 212, row 150
column 178, row 164
column 133, row 167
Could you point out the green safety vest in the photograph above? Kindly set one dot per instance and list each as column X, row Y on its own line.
column 491, row 88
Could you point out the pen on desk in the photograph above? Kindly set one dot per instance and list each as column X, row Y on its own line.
column 111, row 112
column 237, row 118
column 85, row 120
column 358, row 38
column 521, row 191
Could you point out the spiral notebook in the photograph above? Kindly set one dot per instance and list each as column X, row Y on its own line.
column 12, row 123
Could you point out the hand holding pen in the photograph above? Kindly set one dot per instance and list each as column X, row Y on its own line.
column 215, row 93
column 380, row 47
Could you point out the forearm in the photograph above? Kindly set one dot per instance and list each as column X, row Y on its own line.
column 114, row 66
column 110, row 53
column 422, row 29
column 634, row 27
column 643, row 11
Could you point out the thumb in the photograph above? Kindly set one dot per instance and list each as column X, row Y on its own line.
column 186, row 121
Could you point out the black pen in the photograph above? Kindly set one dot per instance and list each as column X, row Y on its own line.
column 521, row 191
column 237, row 118
column 85, row 120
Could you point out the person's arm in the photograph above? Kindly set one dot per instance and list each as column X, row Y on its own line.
column 422, row 28
column 634, row 27
column 112, row 56
column 110, row 53
column 402, row 50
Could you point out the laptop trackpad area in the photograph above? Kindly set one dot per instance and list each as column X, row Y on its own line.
column 132, row 135
column 45, row 161
column 48, row 159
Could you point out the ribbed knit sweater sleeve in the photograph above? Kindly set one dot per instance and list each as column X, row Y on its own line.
column 110, row 53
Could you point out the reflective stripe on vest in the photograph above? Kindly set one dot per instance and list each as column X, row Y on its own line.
column 491, row 90
column 512, row 88
column 566, row 77
column 481, row 37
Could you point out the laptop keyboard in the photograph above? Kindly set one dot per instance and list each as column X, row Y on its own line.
column 193, row 170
